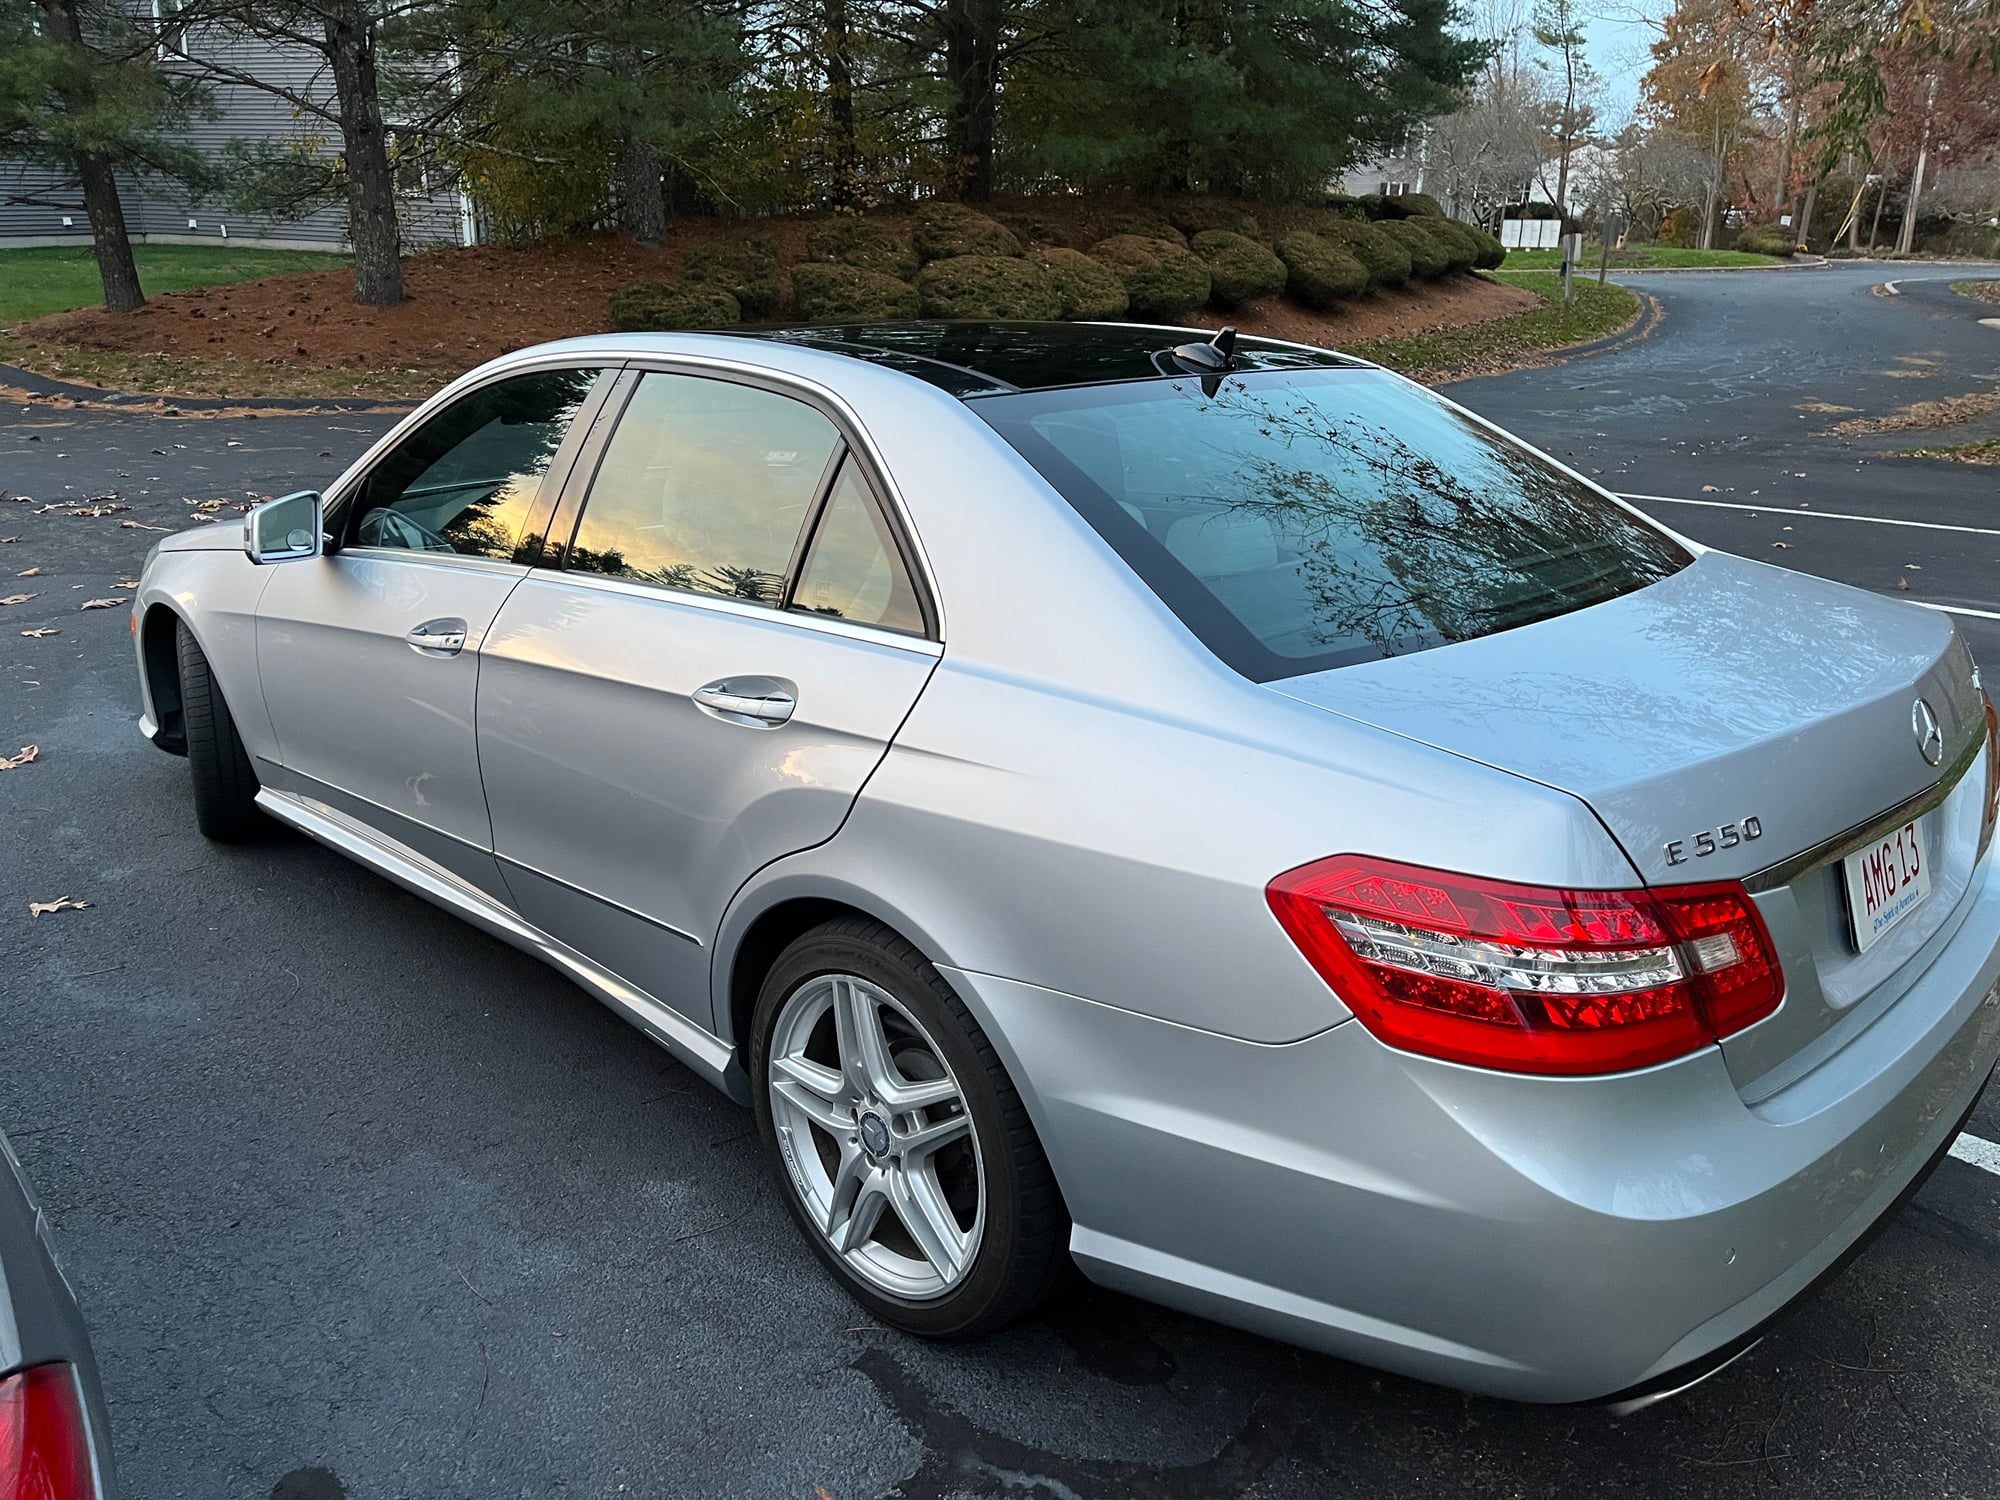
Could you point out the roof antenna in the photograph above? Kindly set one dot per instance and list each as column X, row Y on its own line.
column 1213, row 358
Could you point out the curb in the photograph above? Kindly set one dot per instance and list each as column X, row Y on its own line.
column 1651, row 312
column 47, row 386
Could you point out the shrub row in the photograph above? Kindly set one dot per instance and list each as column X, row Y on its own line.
column 959, row 263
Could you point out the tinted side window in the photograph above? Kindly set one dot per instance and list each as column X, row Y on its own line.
column 465, row 481
column 704, row 486
column 853, row 570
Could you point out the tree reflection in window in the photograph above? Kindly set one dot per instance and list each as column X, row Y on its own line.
column 465, row 481
column 704, row 487
column 1302, row 521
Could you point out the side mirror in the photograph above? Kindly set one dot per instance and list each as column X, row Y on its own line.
column 286, row 529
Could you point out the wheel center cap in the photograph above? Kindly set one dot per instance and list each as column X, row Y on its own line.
column 874, row 1134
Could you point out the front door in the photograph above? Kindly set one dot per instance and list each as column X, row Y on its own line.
column 732, row 643
column 369, row 657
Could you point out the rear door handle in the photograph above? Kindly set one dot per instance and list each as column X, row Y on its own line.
column 437, row 637
column 759, row 702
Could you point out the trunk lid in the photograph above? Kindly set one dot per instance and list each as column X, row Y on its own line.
column 1738, row 698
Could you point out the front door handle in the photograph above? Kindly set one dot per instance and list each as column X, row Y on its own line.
column 758, row 702
column 437, row 638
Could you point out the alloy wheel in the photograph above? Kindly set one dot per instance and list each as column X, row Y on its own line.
column 876, row 1137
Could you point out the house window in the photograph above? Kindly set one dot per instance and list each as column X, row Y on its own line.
column 1394, row 189
column 166, row 24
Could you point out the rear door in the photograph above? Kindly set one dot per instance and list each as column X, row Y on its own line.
column 369, row 656
column 733, row 636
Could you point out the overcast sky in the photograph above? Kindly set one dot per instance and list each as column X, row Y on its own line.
column 1617, row 51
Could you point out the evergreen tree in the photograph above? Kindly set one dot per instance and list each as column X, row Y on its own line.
column 79, row 92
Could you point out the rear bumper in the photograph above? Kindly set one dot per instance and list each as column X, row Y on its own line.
column 1539, row 1239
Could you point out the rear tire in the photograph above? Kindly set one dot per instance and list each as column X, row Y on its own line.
column 958, row 1239
column 225, row 784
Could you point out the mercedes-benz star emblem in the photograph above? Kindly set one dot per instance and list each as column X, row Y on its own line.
column 874, row 1135
column 1930, row 738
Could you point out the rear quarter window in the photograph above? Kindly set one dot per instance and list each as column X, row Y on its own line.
column 1297, row 521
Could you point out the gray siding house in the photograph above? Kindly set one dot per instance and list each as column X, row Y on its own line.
column 1395, row 172
column 37, row 207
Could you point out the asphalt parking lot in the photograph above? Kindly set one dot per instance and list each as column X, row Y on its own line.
column 361, row 1202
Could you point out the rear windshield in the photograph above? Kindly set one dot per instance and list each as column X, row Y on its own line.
column 1297, row 521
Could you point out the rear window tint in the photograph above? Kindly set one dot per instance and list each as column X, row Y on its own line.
column 1301, row 521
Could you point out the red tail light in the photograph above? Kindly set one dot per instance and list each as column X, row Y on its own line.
column 44, row 1445
column 1527, row 979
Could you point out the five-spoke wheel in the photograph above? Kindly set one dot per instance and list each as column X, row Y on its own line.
column 907, row 1155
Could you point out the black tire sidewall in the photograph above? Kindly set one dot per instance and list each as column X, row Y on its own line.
column 988, row 1294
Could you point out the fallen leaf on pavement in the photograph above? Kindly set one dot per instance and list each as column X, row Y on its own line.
column 8, row 541
column 142, row 526
column 1914, row 567
column 1781, row 544
column 27, row 572
column 61, row 903
column 1903, row 585
column 127, row 583
column 41, row 631
column 103, row 603
column 1708, row 489
column 17, row 599
column 99, row 510
column 28, row 753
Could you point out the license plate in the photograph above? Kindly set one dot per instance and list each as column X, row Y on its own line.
column 1886, row 881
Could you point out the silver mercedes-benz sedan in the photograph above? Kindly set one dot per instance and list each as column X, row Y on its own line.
column 1211, row 813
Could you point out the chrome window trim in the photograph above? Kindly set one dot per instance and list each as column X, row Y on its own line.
column 720, row 604
column 462, row 560
column 341, row 490
column 1860, row 835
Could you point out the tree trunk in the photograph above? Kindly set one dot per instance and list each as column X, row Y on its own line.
column 1781, row 192
column 843, row 146
column 101, row 203
column 108, row 239
column 1906, row 232
column 972, row 68
column 371, row 181
column 645, row 199
column 1802, row 225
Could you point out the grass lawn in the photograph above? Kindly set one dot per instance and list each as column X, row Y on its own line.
column 1984, row 291
column 1637, row 258
column 1594, row 313
column 56, row 278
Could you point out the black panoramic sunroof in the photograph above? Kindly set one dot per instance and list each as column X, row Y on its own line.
column 990, row 359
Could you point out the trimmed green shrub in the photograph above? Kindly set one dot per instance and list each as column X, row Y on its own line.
column 1144, row 223
column 1461, row 241
column 1318, row 272
column 1239, row 269
column 1420, row 206
column 1380, row 253
column 1429, row 257
column 863, row 244
column 1767, row 239
column 1195, row 216
column 654, row 306
column 750, row 275
column 940, row 231
column 1085, row 289
column 987, row 286
column 1491, row 251
column 848, row 294
column 1161, row 278
column 1382, row 208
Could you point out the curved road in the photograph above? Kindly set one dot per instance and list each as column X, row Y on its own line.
column 362, row 1203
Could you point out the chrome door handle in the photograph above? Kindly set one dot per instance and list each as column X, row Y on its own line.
column 759, row 701
column 437, row 637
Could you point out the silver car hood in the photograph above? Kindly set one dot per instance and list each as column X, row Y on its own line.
column 1730, row 690
column 219, row 536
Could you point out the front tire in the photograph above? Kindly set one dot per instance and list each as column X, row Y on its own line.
column 904, row 1152
column 225, row 784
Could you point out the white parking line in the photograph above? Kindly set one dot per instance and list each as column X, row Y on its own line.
column 1824, row 515
column 1952, row 609
column 1982, row 1154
